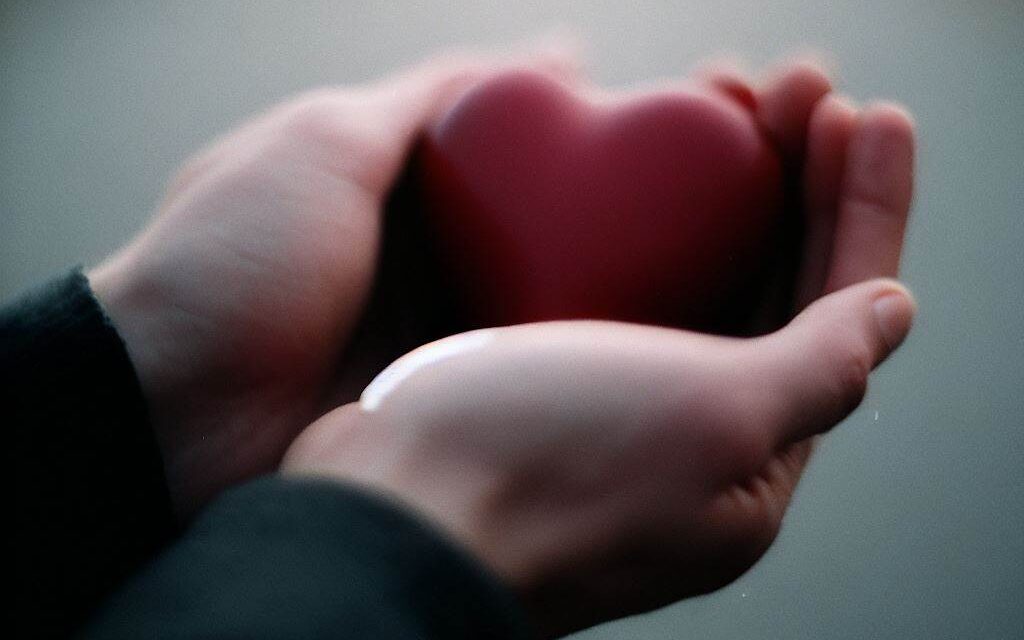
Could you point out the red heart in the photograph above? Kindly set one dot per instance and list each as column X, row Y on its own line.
column 658, row 208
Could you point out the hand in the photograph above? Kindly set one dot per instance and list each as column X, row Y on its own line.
column 239, row 298
column 605, row 469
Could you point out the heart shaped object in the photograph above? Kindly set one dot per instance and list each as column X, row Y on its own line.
column 548, row 203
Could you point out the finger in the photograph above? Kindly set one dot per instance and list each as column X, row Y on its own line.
column 391, row 112
column 794, row 458
column 828, row 136
column 431, row 88
column 875, row 199
column 783, row 471
column 727, row 76
column 395, row 112
column 815, row 370
column 786, row 101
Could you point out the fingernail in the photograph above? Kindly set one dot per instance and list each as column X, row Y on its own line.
column 894, row 313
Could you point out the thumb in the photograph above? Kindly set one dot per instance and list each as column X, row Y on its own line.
column 427, row 90
column 817, row 367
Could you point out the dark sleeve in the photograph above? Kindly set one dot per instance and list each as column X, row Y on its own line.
column 282, row 558
column 90, row 501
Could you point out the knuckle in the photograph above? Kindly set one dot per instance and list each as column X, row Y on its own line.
column 851, row 363
column 344, row 129
column 314, row 114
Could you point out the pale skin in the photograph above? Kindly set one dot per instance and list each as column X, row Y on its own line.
column 240, row 297
column 600, row 469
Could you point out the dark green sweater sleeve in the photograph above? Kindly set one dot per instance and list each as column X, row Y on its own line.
column 90, row 501
column 311, row 559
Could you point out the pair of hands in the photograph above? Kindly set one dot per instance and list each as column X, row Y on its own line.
column 600, row 468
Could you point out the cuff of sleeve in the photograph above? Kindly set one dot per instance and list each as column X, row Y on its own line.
column 285, row 558
column 91, row 499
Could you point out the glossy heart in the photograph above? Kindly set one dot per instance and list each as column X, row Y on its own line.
column 550, row 203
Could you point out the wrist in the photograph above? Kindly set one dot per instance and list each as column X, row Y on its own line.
column 112, row 290
column 353, row 448
column 134, row 310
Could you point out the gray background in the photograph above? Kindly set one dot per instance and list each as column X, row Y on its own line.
column 910, row 523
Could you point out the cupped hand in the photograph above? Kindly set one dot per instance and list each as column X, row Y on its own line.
column 237, row 300
column 605, row 469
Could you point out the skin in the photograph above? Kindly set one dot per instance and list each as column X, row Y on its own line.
column 604, row 469
column 240, row 298
column 240, row 302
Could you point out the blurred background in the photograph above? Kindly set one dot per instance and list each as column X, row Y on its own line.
column 910, row 521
